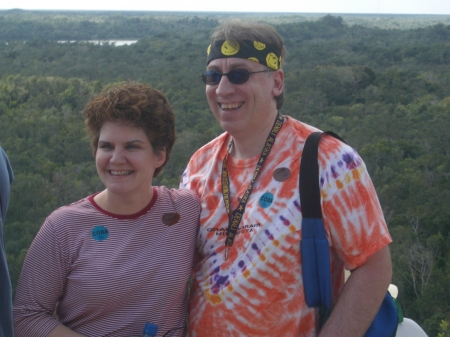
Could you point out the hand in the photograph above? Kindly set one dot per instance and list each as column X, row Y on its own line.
column 62, row 331
column 360, row 298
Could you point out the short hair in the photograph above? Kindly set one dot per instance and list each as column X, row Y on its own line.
column 238, row 30
column 133, row 104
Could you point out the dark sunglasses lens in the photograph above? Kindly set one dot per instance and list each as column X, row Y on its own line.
column 211, row 77
column 238, row 76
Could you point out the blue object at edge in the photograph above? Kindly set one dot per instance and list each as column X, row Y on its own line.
column 316, row 261
column 150, row 330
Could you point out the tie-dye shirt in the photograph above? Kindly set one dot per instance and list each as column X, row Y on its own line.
column 258, row 291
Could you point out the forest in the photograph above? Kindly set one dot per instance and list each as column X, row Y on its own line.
column 381, row 84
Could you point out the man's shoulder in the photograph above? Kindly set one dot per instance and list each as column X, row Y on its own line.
column 208, row 154
column 212, row 146
column 300, row 129
column 303, row 130
column 330, row 147
column 6, row 179
column 204, row 164
column 5, row 167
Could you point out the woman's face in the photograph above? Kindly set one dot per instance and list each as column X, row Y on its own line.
column 125, row 160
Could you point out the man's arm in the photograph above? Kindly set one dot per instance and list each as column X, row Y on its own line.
column 361, row 297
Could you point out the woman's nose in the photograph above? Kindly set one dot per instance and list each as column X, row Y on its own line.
column 118, row 156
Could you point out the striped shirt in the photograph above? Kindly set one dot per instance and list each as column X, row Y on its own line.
column 258, row 291
column 102, row 274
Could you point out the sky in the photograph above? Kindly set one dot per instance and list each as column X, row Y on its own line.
column 295, row 6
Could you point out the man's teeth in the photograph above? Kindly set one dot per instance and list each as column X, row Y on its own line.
column 231, row 105
column 120, row 173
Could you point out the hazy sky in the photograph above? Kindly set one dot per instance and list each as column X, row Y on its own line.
column 301, row 6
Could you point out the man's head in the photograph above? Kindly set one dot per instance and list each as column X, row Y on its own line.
column 244, row 80
column 252, row 40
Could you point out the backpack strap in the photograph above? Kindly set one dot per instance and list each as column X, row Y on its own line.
column 315, row 249
column 314, row 244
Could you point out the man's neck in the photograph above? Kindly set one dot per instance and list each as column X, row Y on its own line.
column 251, row 143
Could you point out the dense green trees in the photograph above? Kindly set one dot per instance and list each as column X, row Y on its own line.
column 386, row 91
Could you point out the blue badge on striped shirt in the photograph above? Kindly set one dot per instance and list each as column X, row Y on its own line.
column 100, row 233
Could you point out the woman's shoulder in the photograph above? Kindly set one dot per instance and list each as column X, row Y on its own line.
column 182, row 205
column 72, row 210
column 177, row 195
column 68, row 222
column 181, row 200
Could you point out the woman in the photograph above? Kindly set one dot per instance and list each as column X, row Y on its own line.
column 107, row 264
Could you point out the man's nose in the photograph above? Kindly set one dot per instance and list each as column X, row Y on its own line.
column 225, row 87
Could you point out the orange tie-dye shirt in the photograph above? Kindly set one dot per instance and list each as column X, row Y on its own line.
column 258, row 291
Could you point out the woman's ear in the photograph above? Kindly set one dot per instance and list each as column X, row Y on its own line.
column 160, row 158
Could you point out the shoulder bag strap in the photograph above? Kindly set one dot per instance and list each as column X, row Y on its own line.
column 314, row 244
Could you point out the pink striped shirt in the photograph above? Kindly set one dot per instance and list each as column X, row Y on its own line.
column 103, row 274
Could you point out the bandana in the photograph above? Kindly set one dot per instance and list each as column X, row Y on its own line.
column 251, row 50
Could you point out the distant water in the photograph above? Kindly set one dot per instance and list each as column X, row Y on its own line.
column 101, row 42
column 116, row 43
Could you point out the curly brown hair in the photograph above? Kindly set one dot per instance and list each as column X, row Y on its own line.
column 133, row 104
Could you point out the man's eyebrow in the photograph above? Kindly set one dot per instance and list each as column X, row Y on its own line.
column 236, row 65
column 212, row 68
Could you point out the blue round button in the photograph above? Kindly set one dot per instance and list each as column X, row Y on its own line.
column 266, row 200
column 100, row 233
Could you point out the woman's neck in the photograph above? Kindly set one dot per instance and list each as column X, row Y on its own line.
column 121, row 204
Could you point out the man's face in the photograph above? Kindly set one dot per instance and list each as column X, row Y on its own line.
column 248, row 108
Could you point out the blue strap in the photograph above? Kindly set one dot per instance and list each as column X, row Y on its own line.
column 386, row 321
column 315, row 250
column 315, row 263
column 314, row 245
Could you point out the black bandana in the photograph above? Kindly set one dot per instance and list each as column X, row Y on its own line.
column 251, row 50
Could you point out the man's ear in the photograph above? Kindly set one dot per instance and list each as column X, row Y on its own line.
column 278, row 82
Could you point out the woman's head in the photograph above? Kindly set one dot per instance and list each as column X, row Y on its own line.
column 137, row 105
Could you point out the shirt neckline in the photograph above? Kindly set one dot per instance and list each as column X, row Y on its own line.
column 125, row 216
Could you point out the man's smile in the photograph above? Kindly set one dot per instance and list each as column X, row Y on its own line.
column 226, row 106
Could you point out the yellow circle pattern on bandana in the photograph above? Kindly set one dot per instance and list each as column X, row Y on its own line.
column 259, row 45
column 247, row 49
column 272, row 61
column 230, row 48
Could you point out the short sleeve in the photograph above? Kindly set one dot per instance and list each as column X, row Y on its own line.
column 41, row 284
column 352, row 213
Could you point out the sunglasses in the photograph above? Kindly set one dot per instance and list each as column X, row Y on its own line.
column 236, row 76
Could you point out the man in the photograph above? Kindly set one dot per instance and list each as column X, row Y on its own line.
column 248, row 281
column 6, row 178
